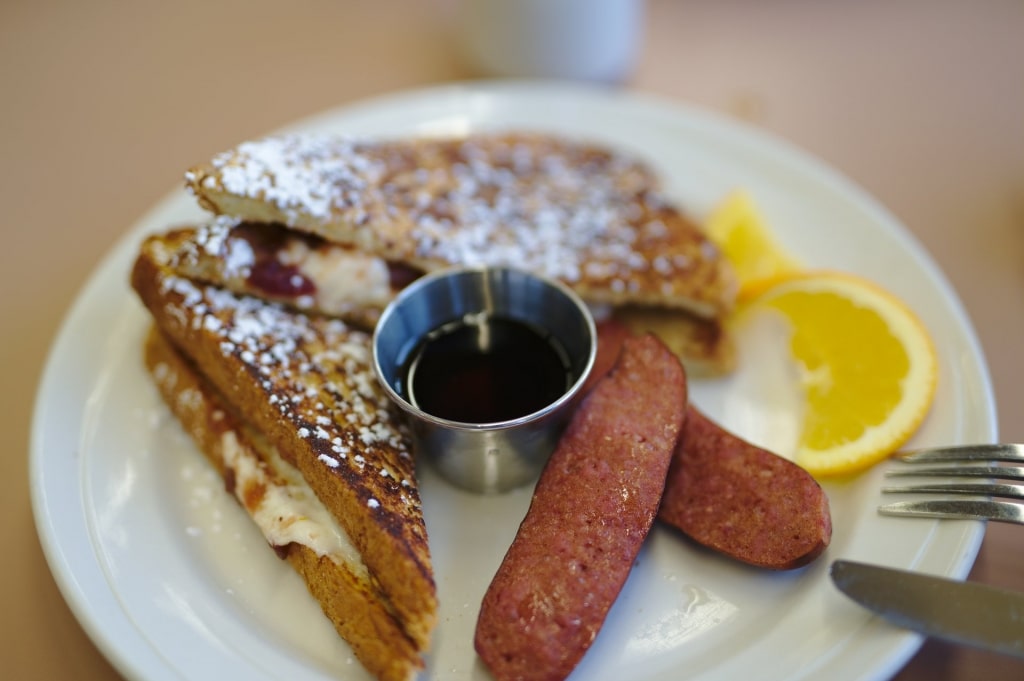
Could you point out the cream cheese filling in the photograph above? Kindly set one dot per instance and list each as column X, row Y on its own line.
column 343, row 279
column 287, row 511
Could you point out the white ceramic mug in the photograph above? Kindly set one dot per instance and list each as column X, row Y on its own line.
column 595, row 40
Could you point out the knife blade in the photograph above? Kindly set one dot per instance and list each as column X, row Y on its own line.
column 965, row 613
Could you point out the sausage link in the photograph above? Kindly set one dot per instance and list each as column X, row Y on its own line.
column 592, row 508
column 744, row 501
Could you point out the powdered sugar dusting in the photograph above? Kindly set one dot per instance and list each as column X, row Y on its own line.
column 589, row 216
column 316, row 372
column 213, row 240
column 304, row 176
column 533, row 206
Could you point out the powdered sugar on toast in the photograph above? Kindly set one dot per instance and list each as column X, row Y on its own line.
column 315, row 372
column 591, row 217
column 293, row 520
column 299, row 174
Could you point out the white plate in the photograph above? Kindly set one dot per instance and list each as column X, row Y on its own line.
column 172, row 581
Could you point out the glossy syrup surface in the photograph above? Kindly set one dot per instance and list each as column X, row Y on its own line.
column 485, row 369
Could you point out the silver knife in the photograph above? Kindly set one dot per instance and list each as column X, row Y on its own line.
column 962, row 612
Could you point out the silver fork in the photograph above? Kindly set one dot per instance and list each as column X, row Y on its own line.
column 963, row 461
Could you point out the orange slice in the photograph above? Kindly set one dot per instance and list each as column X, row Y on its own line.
column 867, row 367
column 738, row 228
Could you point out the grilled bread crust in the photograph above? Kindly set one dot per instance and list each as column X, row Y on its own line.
column 348, row 597
column 306, row 384
column 705, row 346
column 589, row 216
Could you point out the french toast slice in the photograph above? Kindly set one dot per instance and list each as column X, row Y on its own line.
column 306, row 384
column 303, row 271
column 592, row 217
column 293, row 520
column 310, row 274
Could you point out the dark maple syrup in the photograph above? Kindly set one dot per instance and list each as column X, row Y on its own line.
column 485, row 369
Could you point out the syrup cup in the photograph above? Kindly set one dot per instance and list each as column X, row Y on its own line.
column 501, row 455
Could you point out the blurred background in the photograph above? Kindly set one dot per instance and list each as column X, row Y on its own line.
column 105, row 103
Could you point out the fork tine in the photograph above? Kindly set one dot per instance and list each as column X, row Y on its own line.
column 980, row 489
column 1001, row 472
column 1000, row 511
column 989, row 452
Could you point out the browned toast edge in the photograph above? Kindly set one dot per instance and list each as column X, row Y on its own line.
column 353, row 605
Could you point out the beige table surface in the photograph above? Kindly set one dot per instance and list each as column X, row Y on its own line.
column 105, row 103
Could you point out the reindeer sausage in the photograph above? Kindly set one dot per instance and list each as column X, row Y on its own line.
column 591, row 510
column 744, row 501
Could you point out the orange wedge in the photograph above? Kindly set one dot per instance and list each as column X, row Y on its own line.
column 740, row 231
column 867, row 367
